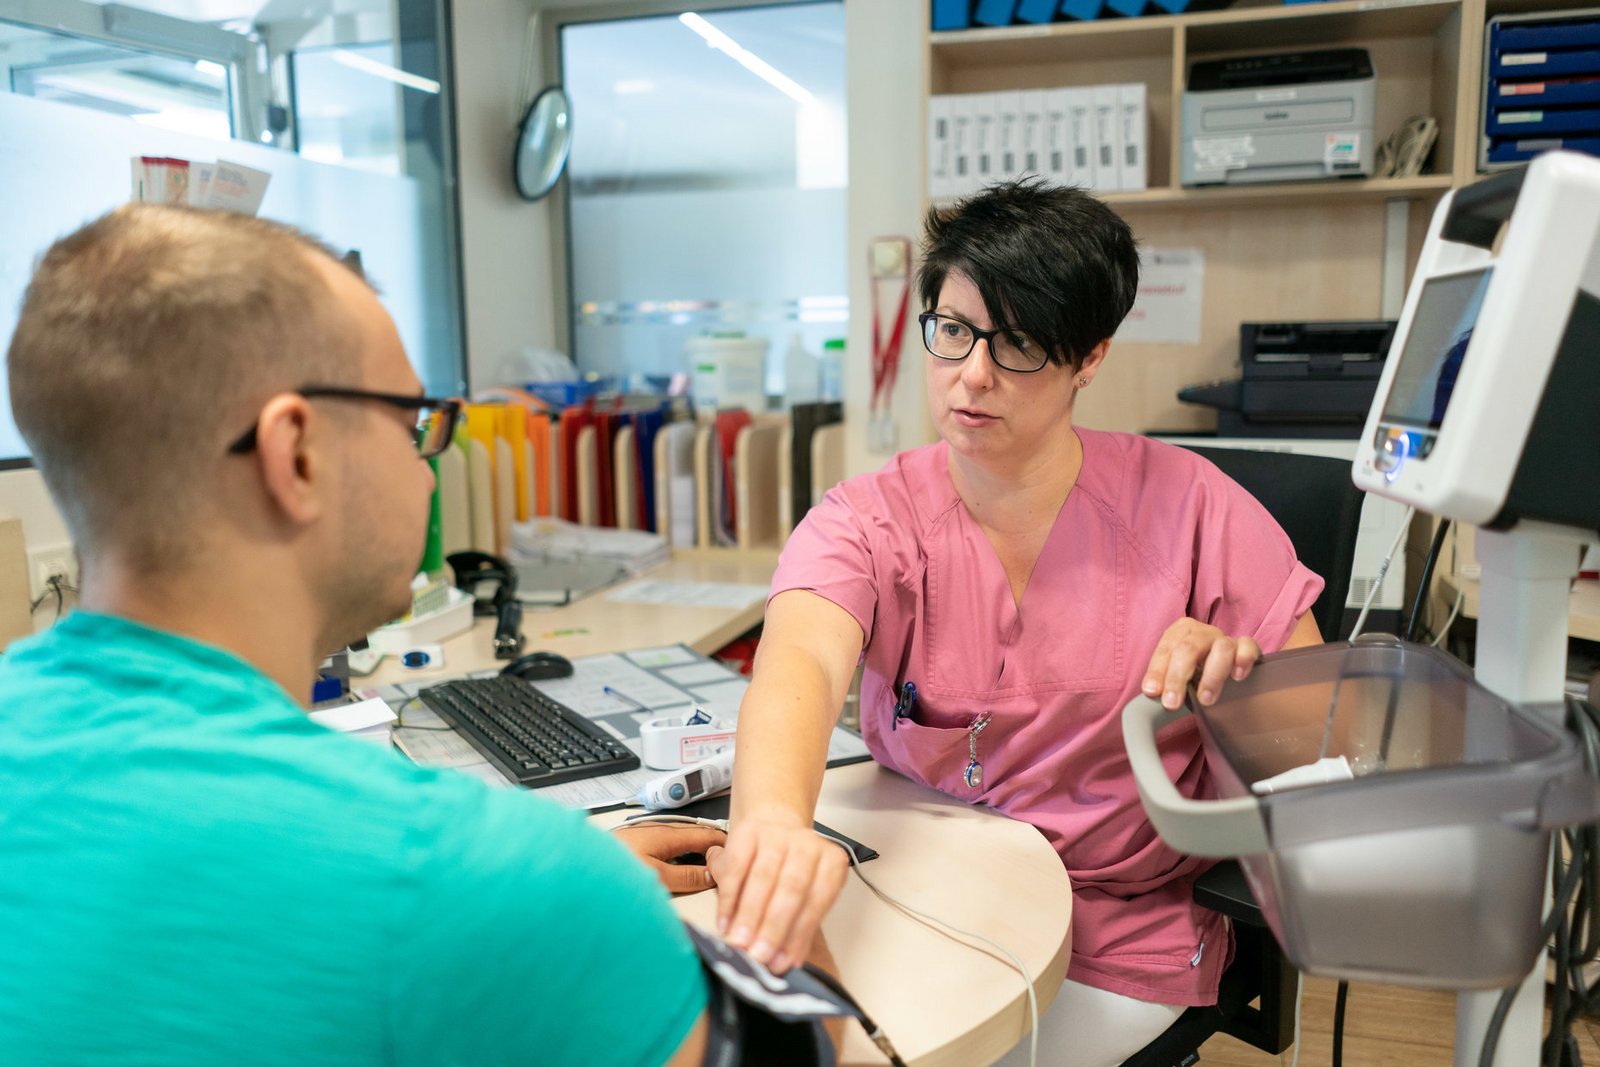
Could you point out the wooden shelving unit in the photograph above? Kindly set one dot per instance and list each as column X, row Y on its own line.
column 1274, row 252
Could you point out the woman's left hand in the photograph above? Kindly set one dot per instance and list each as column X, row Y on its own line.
column 1189, row 646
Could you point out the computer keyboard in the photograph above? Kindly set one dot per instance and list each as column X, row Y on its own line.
column 532, row 739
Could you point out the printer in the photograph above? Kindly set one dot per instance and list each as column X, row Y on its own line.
column 1299, row 379
column 1284, row 117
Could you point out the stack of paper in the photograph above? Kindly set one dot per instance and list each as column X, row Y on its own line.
column 545, row 540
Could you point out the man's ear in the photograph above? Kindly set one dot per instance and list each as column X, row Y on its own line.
column 291, row 470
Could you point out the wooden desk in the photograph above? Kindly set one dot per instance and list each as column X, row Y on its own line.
column 943, row 1004
column 1583, row 610
column 595, row 624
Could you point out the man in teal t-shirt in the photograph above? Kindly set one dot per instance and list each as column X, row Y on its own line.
column 191, row 872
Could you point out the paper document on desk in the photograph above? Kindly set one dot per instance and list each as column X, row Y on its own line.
column 689, row 594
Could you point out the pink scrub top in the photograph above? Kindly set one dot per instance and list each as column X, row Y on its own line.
column 1151, row 533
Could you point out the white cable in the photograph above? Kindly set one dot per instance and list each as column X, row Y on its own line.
column 1383, row 569
column 946, row 929
column 1444, row 631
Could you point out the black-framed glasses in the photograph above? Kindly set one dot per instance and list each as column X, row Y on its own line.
column 951, row 338
column 436, row 416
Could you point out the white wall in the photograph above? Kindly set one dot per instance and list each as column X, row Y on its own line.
column 886, row 76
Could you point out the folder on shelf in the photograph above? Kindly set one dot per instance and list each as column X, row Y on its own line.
column 785, row 480
column 1082, row 9
column 605, row 430
column 941, row 174
column 827, row 459
column 455, row 498
column 540, row 467
column 505, row 493
column 573, row 420
column 646, row 425
column 703, row 484
column 755, row 466
column 994, row 12
column 1132, row 165
column 805, row 420
column 1036, row 10
column 1033, row 138
column 625, row 479
column 1083, row 144
column 514, row 429
column 480, row 488
column 1129, row 8
column 1108, row 139
column 725, row 517
column 585, row 476
column 675, row 484
column 952, row 14
column 1008, row 134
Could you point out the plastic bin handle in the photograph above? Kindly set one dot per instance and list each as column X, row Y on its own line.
column 1197, row 827
column 1477, row 210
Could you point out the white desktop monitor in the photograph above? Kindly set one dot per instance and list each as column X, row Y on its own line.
column 1488, row 411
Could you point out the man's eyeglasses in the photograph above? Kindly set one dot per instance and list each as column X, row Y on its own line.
column 436, row 417
column 951, row 338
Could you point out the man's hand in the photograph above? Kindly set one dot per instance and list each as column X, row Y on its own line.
column 1188, row 646
column 776, row 880
column 657, row 843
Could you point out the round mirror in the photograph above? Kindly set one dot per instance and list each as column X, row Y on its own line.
column 543, row 141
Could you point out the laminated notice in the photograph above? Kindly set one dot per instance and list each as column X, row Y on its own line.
column 1223, row 153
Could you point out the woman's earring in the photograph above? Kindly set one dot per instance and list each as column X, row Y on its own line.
column 1083, row 381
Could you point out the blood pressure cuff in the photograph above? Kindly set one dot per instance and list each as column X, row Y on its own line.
column 759, row 1018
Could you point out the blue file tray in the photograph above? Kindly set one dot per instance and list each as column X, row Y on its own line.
column 952, row 14
column 994, row 12
column 1037, row 10
column 1520, row 150
column 1526, row 122
column 1541, row 35
column 1547, row 93
column 1129, row 8
column 1082, row 9
column 1543, row 64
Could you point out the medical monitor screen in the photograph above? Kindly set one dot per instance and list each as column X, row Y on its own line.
column 1446, row 313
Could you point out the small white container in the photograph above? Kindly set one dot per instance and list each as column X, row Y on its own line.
column 436, row 626
column 727, row 371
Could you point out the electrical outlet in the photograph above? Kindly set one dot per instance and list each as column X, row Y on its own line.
column 49, row 562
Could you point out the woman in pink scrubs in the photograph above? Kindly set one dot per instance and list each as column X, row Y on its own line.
column 1025, row 578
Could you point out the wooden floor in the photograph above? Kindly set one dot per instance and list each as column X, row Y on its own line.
column 1384, row 1026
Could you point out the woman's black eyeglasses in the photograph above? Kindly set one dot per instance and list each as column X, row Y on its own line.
column 436, row 417
column 951, row 338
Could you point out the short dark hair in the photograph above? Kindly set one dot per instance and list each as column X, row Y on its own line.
column 1053, row 262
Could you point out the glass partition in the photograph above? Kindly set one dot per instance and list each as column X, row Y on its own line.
column 348, row 111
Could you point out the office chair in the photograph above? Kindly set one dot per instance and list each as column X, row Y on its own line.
column 1319, row 507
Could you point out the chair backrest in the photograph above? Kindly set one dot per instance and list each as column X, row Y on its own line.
column 1318, row 506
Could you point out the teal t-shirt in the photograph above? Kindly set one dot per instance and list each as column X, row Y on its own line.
column 192, row 872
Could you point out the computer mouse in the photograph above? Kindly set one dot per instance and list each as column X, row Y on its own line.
column 539, row 667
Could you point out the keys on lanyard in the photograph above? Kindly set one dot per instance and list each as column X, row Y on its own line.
column 973, row 775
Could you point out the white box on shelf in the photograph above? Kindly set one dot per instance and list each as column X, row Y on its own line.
column 1083, row 144
column 1008, row 135
column 1108, row 138
column 941, row 147
column 1133, row 164
column 1034, row 135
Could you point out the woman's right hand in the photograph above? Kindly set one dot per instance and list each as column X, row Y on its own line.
column 776, row 879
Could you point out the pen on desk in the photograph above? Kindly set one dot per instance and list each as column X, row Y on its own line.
column 610, row 692
column 571, row 631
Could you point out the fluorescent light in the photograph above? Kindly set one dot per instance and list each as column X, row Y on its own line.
column 745, row 58
column 633, row 87
column 210, row 69
column 384, row 70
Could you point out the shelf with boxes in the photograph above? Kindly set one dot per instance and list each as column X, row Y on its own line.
column 1421, row 57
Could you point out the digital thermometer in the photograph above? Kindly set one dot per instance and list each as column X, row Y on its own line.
column 689, row 784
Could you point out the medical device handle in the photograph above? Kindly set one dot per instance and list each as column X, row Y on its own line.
column 1197, row 827
column 1477, row 210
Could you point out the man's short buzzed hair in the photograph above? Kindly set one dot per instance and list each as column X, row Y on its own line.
column 147, row 342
